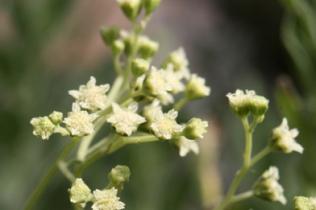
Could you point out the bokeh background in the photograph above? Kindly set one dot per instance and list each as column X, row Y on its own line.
column 50, row 46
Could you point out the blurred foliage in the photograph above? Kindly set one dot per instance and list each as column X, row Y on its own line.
column 299, row 104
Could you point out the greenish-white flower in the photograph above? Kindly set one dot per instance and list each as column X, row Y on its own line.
column 153, row 111
column 147, row 47
column 91, row 96
column 186, row 146
column 130, row 7
column 80, row 193
column 165, row 125
column 180, row 63
column 158, row 85
column 283, row 138
column 196, row 87
column 195, row 128
column 79, row 122
column 125, row 120
column 268, row 187
column 42, row 127
column 174, row 80
column 107, row 200
column 56, row 117
column 304, row 203
column 140, row 66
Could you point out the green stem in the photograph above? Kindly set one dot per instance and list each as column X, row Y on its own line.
column 116, row 88
column 241, row 197
column 62, row 165
column 248, row 141
column 181, row 103
column 117, row 64
column 264, row 152
column 36, row 194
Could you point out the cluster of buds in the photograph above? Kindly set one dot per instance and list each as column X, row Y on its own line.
column 106, row 199
column 304, row 203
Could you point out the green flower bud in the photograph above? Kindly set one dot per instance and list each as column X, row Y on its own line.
column 146, row 47
column 118, row 47
column 304, row 203
column 151, row 5
column 56, row 117
column 259, row 105
column 118, row 176
column 196, row 88
column 139, row 66
column 109, row 35
column 130, row 8
column 195, row 128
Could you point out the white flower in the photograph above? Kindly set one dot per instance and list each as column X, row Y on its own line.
column 91, row 96
column 56, row 117
column 243, row 102
column 174, row 80
column 43, row 127
column 186, row 145
column 153, row 111
column 78, row 122
column 80, row 193
column 165, row 125
column 180, row 62
column 125, row 121
column 107, row 200
column 284, row 138
column 158, row 85
column 196, row 87
column 268, row 187
column 147, row 47
column 305, row 203
column 195, row 128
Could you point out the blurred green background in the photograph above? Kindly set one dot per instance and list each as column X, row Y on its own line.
column 50, row 46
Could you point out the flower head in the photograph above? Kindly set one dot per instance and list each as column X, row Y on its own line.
column 43, row 127
column 147, row 47
column 196, row 87
column 125, row 121
column 80, row 193
column 165, row 125
column 174, row 80
column 180, row 63
column 153, row 111
column 107, row 200
column 268, row 187
column 78, row 122
column 118, row 176
column 283, row 138
column 130, row 7
column 91, row 96
column 304, row 203
column 186, row 145
column 195, row 128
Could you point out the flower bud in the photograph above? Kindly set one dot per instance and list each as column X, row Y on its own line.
column 118, row 176
column 118, row 47
column 268, row 188
column 130, row 8
column 283, row 138
column 178, row 59
column 146, row 47
column 151, row 5
column 196, row 88
column 259, row 105
column 304, row 203
column 43, row 127
column 109, row 35
column 56, row 117
column 195, row 128
column 80, row 193
column 139, row 66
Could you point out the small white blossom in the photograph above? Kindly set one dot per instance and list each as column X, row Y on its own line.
column 158, row 85
column 80, row 193
column 91, row 96
column 43, row 127
column 186, row 145
column 305, row 203
column 107, row 200
column 125, row 121
column 153, row 111
column 180, row 63
column 165, row 125
column 56, row 117
column 174, row 80
column 268, row 187
column 195, row 128
column 284, row 138
column 147, row 47
column 78, row 122
column 196, row 87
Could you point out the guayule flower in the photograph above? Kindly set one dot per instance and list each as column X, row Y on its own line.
column 180, row 63
column 147, row 47
column 153, row 111
column 243, row 102
column 130, row 7
column 151, row 5
column 91, row 96
column 186, row 145
column 158, row 85
column 304, row 203
column 283, row 138
column 78, row 122
column 268, row 187
column 196, row 87
column 80, row 193
column 42, row 127
column 107, row 200
column 125, row 121
column 195, row 128
column 174, row 80
column 165, row 125
column 139, row 66
column 118, row 176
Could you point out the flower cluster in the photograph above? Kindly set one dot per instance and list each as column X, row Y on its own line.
column 268, row 187
column 304, row 203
